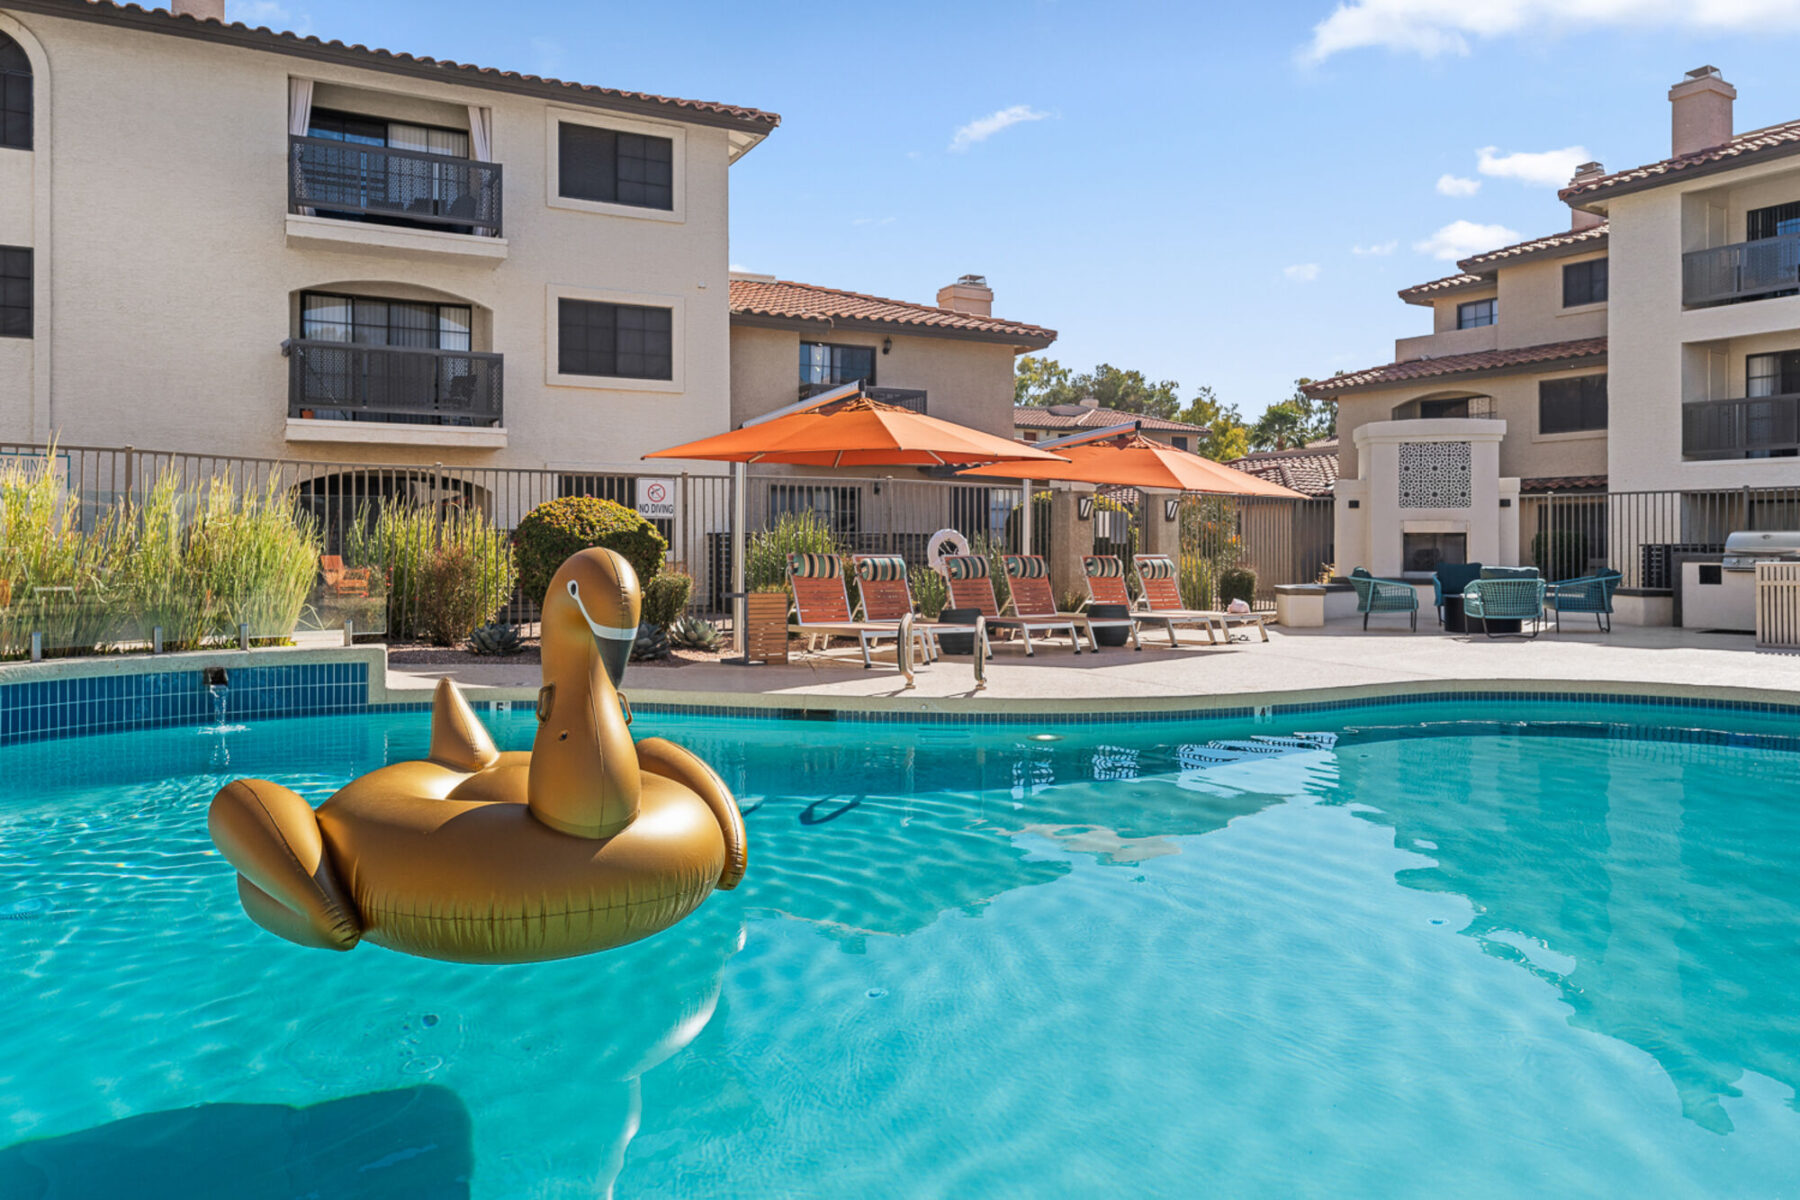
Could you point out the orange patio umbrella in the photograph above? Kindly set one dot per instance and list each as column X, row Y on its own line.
column 862, row 433
column 1132, row 460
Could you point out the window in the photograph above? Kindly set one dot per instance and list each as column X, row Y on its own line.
column 612, row 167
column 15, row 95
column 1179, row 441
column 626, row 341
column 1473, row 314
column 1431, row 410
column 828, row 366
column 1775, row 221
column 1572, row 405
column 15, row 291
column 1584, row 283
column 366, row 321
column 1772, row 374
column 336, row 126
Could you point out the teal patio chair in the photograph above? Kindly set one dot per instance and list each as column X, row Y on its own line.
column 1449, row 580
column 1589, row 594
column 1384, row 596
column 1505, row 594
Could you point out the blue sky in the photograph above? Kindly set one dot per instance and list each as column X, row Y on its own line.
column 1220, row 193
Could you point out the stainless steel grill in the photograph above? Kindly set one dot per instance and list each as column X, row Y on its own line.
column 1745, row 548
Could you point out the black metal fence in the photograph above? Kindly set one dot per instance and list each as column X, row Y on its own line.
column 1741, row 271
column 1740, row 428
column 1643, row 535
column 345, row 382
column 347, row 179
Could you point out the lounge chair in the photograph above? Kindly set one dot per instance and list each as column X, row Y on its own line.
column 1385, row 596
column 341, row 580
column 1028, row 577
column 1105, row 575
column 972, row 587
column 822, row 606
column 1449, row 580
column 1157, row 572
column 1503, row 594
column 884, row 595
column 1589, row 594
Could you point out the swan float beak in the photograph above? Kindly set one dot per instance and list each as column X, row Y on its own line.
column 613, row 641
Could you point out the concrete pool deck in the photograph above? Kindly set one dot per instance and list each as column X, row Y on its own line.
column 1340, row 661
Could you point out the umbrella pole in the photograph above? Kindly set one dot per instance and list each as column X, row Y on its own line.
column 1025, row 516
column 740, row 524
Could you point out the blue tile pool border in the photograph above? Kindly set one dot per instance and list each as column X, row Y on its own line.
column 56, row 708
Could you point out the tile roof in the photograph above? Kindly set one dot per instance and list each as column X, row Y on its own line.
column 1482, row 361
column 1311, row 469
column 161, row 20
column 1772, row 141
column 1080, row 416
column 810, row 302
column 1564, row 483
column 1449, row 283
column 1569, row 240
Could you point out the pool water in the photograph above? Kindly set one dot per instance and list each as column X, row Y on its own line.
column 1525, row 956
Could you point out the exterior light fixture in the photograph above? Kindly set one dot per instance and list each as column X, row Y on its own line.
column 887, row 343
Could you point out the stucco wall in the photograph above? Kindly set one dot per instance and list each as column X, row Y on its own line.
column 968, row 382
column 1524, row 453
column 171, row 275
column 1531, row 311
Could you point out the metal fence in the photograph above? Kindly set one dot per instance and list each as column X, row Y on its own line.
column 357, row 181
column 1643, row 535
column 1282, row 541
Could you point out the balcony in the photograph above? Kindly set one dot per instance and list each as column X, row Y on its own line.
column 343, row 194
column 910, row 398
column 1745, row 271
column 341, row 392
column 1765, row 427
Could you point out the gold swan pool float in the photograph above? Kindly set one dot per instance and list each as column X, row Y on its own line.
column 587, row 842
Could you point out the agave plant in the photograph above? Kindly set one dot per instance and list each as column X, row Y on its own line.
column 695, row 633
column 496, row 638
column 652, row 642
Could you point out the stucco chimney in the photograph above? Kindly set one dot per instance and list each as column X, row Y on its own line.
column 1700, row 111
column 1580, row 219
column 200, row 10
column 969, row 294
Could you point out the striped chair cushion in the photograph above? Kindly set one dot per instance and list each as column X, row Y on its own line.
column 1103, row 566
column 1026, row 566
column 815, row 566
column 1155, row 566
column 966, row 566
column 880, row 566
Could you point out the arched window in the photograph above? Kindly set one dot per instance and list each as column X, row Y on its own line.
column 15, row 95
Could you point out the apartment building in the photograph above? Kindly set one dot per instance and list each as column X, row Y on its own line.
column 954, row 359
column 1630, row 384
column 332, row 252
column 1034, row 423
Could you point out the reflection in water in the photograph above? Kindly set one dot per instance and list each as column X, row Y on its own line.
column 1662, row 907
column 408, row 1144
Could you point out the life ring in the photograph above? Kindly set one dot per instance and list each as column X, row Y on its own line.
column 945, row 542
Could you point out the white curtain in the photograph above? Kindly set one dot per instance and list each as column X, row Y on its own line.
column 300, row 93
column 481, row 141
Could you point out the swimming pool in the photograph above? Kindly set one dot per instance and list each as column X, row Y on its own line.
column 1538, row 954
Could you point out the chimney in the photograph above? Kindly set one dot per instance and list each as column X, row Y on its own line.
column 200, row 10
column 1089, row 402
column 1580, row 219
column 1700, row 111
column 969, row 294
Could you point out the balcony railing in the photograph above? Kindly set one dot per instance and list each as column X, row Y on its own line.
column 913, row 398
column 1743, row 271
column 345, row 382
column 1766, row 425
column 403, row 187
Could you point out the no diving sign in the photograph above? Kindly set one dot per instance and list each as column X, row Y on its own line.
column 656, row 499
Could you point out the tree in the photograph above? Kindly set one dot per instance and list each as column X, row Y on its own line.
column 1294, row 422
column 1226, row 436
column 1044, row 381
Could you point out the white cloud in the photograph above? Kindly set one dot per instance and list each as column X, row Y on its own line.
column 1430, row 28
column 1549, row 168
column 1460, row 239
column 983, row 128
column 1376, row 248
column 1302, row 272
column 740, row 268
column 1456, row 185
column 258, row 12
column 872, row 221
column 548, row 55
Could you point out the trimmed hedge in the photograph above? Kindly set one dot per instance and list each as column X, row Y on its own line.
column 555, row 529
column 1237, row 583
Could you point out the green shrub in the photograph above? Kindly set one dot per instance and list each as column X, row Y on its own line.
column 930, row 590
column 555, row 529
column 1194, row 577
column 995, row 553
column 1237, row 583
column 765, row 561
column 447, row 573
column 665, row 597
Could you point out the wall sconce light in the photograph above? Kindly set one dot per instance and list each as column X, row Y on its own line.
column 1355, row 504
column 887, row 343
column 1506, row 504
